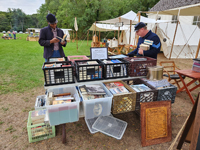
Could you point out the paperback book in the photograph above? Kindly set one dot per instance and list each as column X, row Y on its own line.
column 56, row 59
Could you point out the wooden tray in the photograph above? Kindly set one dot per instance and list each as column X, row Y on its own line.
column 155, row 118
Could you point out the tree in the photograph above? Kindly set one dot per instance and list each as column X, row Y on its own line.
column 4, row 23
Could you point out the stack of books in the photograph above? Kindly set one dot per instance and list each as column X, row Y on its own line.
column 140, row 87
column 115, row 68
column 92, row 91
column 56, row 59
column 116, row 88
column 63, row 99
column 38, row 116
column 86, row 66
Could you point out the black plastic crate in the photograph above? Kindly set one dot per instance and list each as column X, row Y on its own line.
column 58, row 75
column 164, row 93
column 146, row 96
column 88, row 72
column 115, row 70
column 168, row 93
column 138, row 65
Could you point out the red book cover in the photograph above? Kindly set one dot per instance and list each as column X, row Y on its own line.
column 118, row 84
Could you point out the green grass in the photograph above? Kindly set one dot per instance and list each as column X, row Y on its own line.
column 21, row 63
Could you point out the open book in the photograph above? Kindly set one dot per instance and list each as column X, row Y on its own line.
column 62, row 39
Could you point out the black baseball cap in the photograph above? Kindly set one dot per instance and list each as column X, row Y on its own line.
column 51, row 18
column 139, row 26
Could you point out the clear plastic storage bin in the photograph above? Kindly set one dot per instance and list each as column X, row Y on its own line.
column 40, row 102
column 64, row 113
column 97, row 107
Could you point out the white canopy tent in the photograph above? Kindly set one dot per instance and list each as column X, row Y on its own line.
column 125, row 31
column 106, row 27
column 127, row 19
column 132, row 16
column 66, row 31
column 189, row 10
column 185, row 44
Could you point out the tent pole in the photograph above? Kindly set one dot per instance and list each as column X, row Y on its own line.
column 76, row 41
column 138, row 21
column 95, row 29
column 130, row 32
column 122, row 36
column 99, row 35
column 174, row 34
column 119, row 29
column 156, row 20
column 87, row 37
column 197, row 53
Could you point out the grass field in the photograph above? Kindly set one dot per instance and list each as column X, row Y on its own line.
column 21, row 63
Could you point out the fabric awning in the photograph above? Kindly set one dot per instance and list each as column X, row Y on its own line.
column 132, row 16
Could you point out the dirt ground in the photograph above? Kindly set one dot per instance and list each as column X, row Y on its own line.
column 14, row 110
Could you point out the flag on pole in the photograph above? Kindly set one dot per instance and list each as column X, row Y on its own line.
column 75, row 25
column 76, row 28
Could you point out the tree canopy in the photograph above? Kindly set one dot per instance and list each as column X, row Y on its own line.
column 86, row 11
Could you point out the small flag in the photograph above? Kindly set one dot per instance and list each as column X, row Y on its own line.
column 75, row 25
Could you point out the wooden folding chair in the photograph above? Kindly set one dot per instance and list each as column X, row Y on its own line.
column 169, row 68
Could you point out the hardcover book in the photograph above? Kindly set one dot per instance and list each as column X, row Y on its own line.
column 62, row 39
column 95, row 89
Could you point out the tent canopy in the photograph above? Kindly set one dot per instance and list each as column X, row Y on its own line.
column 186, row 41
column 189, row 10
column 126, row 18
column 106, row 27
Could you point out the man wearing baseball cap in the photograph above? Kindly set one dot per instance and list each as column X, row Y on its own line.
column 154, row 48
column 52, row 45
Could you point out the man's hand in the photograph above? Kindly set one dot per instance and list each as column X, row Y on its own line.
column 54, row 40
column 63, row 43
column 140, row 51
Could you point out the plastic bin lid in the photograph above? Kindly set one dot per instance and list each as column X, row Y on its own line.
column 110, row 126
column 89, row 123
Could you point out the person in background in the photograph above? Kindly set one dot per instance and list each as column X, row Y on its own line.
column 141, row 30
column 47, row 38
column 14, row 34
column 9, row 34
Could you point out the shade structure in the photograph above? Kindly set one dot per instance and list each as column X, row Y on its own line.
column 132, row 16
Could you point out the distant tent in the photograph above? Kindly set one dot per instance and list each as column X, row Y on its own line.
column 186, row 41
column 66, row 31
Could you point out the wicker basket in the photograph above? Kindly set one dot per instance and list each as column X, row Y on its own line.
column 146, row 96
column 139, row 68
column 124, row 102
